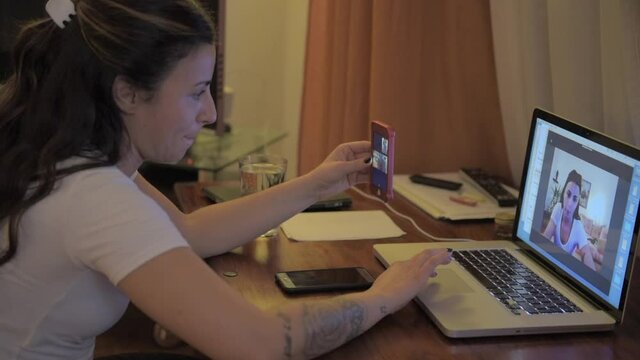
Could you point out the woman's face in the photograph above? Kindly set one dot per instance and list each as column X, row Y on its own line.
column 571, row 197
column 163, row 127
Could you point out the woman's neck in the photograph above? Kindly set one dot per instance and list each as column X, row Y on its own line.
column 130, row 160
column 565, row 228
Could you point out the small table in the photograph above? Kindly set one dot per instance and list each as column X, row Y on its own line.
column 210, row 154
column 213, row 153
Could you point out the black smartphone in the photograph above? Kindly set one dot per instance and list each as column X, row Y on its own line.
column 305, row 281
column 339, row 201
column 222, row 193
column 435, row 182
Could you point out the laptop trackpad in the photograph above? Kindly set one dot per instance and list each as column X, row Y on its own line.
column 450, row 283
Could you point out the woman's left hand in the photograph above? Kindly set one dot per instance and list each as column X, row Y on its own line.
column 347, row 165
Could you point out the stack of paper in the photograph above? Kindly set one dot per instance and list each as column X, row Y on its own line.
column 437, row 202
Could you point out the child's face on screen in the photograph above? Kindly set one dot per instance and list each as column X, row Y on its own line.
column 165, row 126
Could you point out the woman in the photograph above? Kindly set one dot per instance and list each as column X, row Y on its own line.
column 119, row 83
column 565, row 228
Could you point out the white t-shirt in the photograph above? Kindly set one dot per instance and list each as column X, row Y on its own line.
column 58, row 292
column 577, row 237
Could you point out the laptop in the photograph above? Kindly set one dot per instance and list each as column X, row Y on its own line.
column 547, row 278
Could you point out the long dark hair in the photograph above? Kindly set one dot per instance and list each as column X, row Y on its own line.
column 575, row 178
column 58, row 103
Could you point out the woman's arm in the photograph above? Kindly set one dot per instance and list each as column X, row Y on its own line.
column 219, row 228
column 550, row 230
column 179, row 291
column 584, row 248
column 554, row 220
column 587, row 257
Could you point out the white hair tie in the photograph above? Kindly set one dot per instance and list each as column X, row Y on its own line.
column 60, row 11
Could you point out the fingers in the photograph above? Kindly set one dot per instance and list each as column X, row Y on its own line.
column 357, row 170
column 434, row 261
column 425, row 255
column 351, row 150
column 427, row 261
column 357, row 147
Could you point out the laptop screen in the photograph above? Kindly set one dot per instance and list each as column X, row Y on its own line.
column 579, row 204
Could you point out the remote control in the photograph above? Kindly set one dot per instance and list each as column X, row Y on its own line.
column 439, row 183
column 489, row 186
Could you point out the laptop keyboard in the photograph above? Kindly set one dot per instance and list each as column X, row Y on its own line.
column 512, row 283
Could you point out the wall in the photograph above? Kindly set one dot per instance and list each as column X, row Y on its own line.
column 264, row 62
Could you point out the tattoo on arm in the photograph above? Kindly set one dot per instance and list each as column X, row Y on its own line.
column 286, row 320
column 328, row 325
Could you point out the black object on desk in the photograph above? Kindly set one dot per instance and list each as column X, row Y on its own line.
column 435, row 182
column 317, row 280
column 219, row 193
column 489, row 186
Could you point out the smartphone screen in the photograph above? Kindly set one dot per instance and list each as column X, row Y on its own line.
column 351, row 278
column 382, row 144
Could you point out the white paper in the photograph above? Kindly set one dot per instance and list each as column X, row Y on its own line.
column 341, row 225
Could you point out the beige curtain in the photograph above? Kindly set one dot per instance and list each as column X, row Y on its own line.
column 577, row 58
column 335, row 103
column 425, row 67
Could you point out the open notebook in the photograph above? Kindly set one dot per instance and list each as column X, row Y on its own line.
column 437, row 202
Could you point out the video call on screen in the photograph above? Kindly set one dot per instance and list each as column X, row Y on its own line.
column 589, row 199
column 380, row 160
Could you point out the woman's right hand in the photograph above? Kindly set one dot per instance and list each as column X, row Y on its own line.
column 403, row 280
column 346, row 166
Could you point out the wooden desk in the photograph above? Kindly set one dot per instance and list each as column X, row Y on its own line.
column 409, row 333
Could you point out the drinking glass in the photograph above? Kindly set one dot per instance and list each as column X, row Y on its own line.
column 259, row 172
